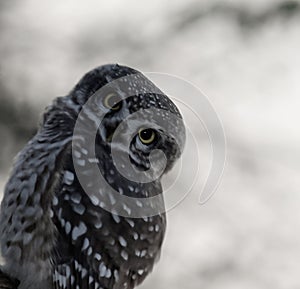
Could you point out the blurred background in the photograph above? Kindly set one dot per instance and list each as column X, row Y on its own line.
column 244, row 55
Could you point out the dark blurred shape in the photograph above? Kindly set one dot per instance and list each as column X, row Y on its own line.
column 18, row 123
column 7, row 283
column 245, row 17
column 282, row 11
column 289, row 8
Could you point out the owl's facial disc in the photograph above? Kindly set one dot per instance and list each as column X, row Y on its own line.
column 135, row 128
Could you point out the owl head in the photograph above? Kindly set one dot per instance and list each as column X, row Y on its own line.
column 129, row 127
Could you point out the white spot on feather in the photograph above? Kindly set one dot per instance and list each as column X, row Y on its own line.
column 68, row 178
column 68, row 228
column 79, row 231
column 86, row 243
column 102, row 269
column 122, row 241
column 98, row 256
column 124, row 255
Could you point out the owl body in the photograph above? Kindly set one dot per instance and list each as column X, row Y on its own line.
column 56, row 235
column 120, row 250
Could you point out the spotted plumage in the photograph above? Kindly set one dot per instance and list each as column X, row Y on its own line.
column 56, row 235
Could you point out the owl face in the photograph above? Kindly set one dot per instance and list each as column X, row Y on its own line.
column 141, row 130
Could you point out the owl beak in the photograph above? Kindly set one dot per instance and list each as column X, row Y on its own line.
column 108, row 134
column 109, row 137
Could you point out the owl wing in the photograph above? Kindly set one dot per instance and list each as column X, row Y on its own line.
column 78, row 222
column 26, row 228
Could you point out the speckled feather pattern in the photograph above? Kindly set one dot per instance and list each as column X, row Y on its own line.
column 53, row 235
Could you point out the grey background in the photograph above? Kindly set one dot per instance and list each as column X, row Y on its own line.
column 244, row 55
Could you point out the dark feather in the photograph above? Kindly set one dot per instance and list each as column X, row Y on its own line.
column 8, row 283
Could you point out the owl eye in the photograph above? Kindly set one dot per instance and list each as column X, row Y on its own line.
column 112, row 101
column 147, row 136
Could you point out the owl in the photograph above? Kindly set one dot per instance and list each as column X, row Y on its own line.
column 84, row 207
